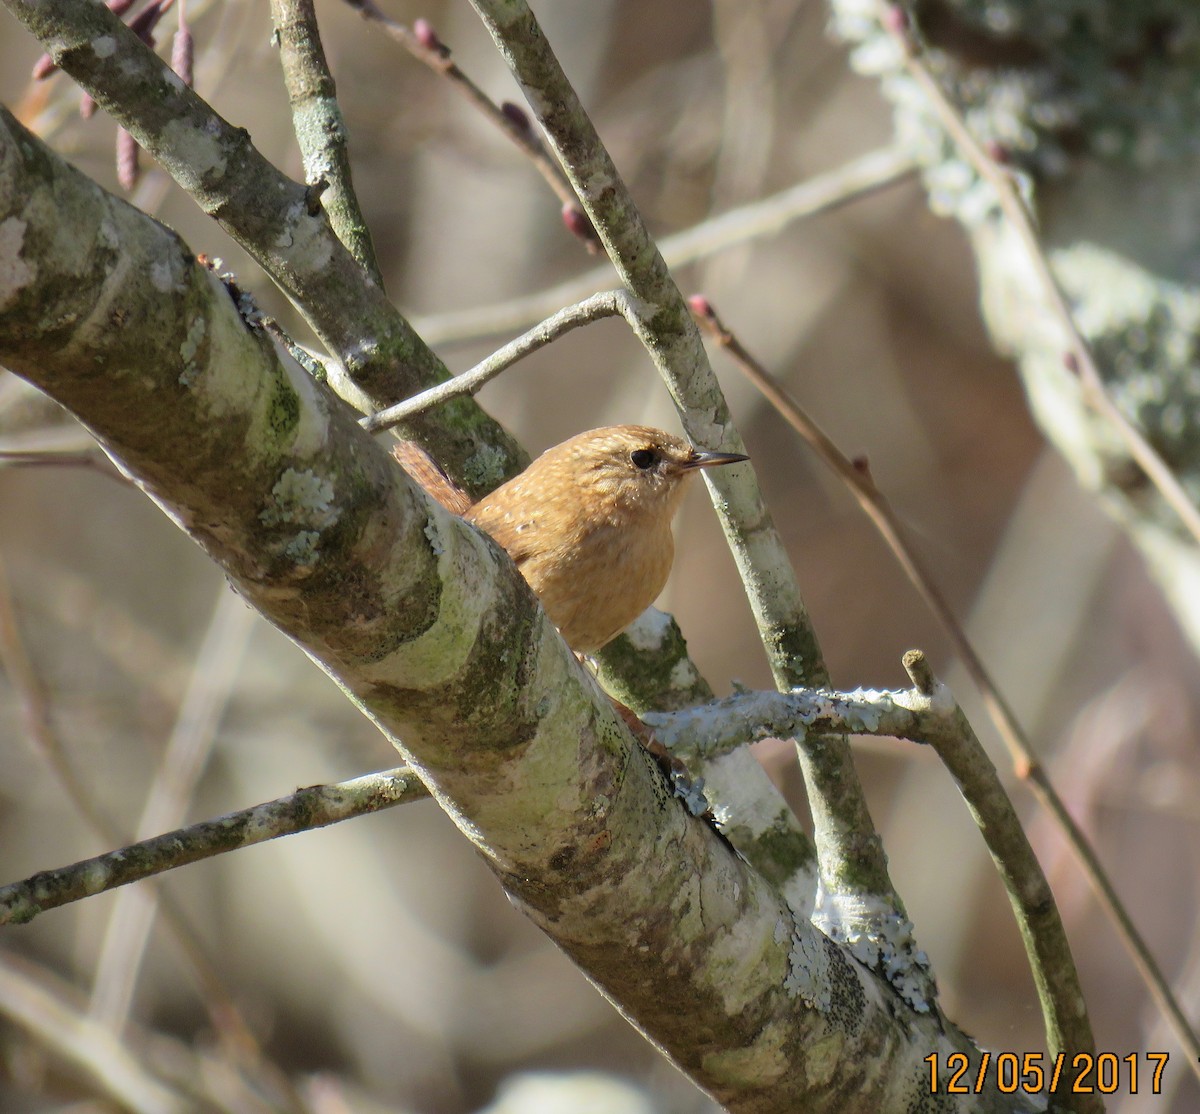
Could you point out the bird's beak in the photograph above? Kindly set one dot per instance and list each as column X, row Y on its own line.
column 711, row 460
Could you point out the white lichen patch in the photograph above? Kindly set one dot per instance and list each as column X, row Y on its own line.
column 302, row 548
column 483, row 466
column 188, row 350
column 649, row 630
column 682, row 674
column 161, row 276
column 104, row 46
column 96, row 878
column 300, row 498
column 808, row 969
column 16, row 272
column 196, row 147
column 304, row 239
column 434, row 538
column 737, row 954
column 881, row 939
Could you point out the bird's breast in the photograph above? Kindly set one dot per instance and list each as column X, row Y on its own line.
column 596, row 583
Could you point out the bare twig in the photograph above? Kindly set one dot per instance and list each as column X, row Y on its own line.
column 302, row 811
column 1078, row 357
column 91, row 459
column 1026, row 763
column 35, row 711
column 222, row 1008
column 141, row 1071
column 423, row 43
column 611, row 303
column 214, row 677
column 117, row 1070
column 856, row 179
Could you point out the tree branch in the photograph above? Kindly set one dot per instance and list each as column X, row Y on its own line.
column 1027, row 763
column 769, row 216
column 612, row 303
column 432, row 633
column 423, row 43
column 275, row 220
column 315, row 807
column 927, row 713
column 1078, row 356
column 320, row 127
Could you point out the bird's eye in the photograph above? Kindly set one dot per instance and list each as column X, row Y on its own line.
column 643, row 458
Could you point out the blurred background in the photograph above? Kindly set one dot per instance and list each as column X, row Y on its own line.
column 377, row 965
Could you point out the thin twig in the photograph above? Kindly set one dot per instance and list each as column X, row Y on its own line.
column 222, row 1008
column 854, row 180
column 215, row 674
column 35, row 711
column 116, row 1069
column 612, row 303
column 423, row 43
column 314, row 807
column 319, row 126
column 1078, row 357
column 1026, row 763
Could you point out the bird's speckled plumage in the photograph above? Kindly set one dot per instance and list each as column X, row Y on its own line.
column 589, row 525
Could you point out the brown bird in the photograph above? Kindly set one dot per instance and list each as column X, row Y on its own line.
column 588, row 523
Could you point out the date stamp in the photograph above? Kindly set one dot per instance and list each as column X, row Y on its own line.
column 1084, row 1073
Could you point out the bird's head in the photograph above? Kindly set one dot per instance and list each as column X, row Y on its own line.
column 632, row 467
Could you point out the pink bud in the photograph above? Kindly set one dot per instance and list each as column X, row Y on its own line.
column 515, row 115
column 182, row 54
column 578, row 224
column 127, row 160
column 701, row 307
column 146, row 20
column 428, row 37
column 895, row 19
column 996, row 151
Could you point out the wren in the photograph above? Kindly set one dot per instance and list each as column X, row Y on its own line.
column 588, row 523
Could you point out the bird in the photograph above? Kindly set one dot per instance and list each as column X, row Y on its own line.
column 588, row 523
